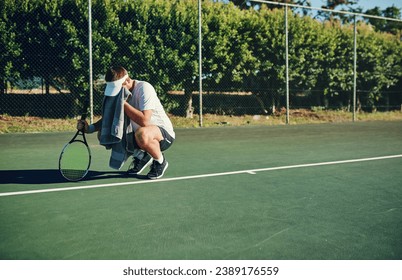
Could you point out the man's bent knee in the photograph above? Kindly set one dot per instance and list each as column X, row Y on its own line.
column 143, row 135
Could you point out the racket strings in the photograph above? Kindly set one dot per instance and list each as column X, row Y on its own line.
column 75, row 160
column 74, row 174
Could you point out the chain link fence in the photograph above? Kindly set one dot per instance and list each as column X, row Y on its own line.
column 45, row 59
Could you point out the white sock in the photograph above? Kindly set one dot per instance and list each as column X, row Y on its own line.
column 160, row 160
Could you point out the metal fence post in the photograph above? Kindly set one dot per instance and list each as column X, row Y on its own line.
column 91, row 105
column 354, row 67
column 287, row 63
column 200, row 58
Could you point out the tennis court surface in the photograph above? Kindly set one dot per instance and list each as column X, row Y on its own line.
column 328, row 191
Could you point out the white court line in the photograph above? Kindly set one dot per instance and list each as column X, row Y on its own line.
column 250, row 171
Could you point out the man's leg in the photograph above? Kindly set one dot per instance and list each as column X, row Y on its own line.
column 148, row 139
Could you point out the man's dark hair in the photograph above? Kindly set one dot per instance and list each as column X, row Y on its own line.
column 115, row 73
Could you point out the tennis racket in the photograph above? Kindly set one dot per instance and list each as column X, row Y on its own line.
column 75, row 158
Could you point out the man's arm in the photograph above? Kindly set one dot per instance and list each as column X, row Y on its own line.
column 142, row 118
column 83, row 125
column 98, row 125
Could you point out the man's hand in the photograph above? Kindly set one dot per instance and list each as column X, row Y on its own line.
column 82, row 125
column 129, row 84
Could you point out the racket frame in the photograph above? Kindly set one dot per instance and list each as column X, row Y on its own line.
column 84, row 141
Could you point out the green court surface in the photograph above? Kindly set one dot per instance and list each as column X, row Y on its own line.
column 328, row 191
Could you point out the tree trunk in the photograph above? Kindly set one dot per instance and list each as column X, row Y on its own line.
column 3, row 86
column 188, row 102
column 47, row 85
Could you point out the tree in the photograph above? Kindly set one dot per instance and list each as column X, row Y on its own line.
column 157, row 40
column 10, row 50
column 243, row 4
column 334, row 4
column 336, row 82
column 267, row 37
column 379, row 66
column 40, row 50
column 386, row 25
column 225, row 48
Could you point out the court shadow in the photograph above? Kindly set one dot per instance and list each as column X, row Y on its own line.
column 96, row 175
column 52, row 176
column 42, row 176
